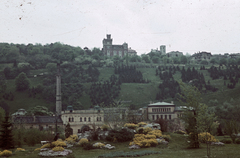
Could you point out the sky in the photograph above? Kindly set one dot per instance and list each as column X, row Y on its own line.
column 188, row 26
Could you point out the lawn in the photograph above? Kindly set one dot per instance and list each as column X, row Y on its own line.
column 177, row 148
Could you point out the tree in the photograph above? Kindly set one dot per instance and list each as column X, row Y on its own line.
column 196, row 116
column 223, row 61
column 22, row 82
column 3, row 84
column 6, row 137
column 183, row 59
column 68, row 131
column 39, row 111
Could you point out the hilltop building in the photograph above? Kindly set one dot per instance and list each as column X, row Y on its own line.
column 120, row 50
column 162, row 50
column 174, row 54
column 201, row 56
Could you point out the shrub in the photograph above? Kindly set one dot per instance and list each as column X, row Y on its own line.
column 144, row 140
column 237, row 141
column 105, row 127
column 48, row 145
column 131, row 125
column 20, row 149
column 59, row 143
column 227, row 141
column 156, row 132
column 122, row 135
column 206, row 137
column 6, row 153
column 72, row 139
column 167, row 137
column 58, row 148
column 147, row 129
column 83, row 142
column 141, row 124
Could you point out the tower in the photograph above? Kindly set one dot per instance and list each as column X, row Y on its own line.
column 163, row 49
column 58, row 91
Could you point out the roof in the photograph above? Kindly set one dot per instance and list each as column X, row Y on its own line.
column 160, row 104
column 38, row 119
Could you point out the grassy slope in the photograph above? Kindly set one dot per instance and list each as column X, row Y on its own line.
column 138, row 94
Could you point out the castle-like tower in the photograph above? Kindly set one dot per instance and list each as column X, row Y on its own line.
column 58, row 92
column 163, row 49
column 111, row 50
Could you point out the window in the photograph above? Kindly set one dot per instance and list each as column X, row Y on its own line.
column 80, row 119
column 153, row 117
column 161, row 116
column 165, row 116
column 89, row 119
column 85, row 119
column 99, row 118
column 170, row 117
column 72, row 119
column 69, row 119
column 157, row 117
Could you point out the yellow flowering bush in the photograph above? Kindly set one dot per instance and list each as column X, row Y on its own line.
column 83, row 141
column 6, row 153
column 144, row 140
column 37, row 149
column 130, row 125
column 59, row 143
column 156, row 132
column 48, row 145
column 148, row 136
column 147, row 129
column 142, row 123
column 206, row 137
column 20, row 149
column 58, row 148
column 72, row 139
column 98, row 145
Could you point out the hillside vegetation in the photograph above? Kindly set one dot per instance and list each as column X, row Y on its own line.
column 89, row 78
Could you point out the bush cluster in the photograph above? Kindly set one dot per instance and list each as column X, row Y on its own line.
column 105, row 127
column 72, row 139
column 131, row 125
column 83, row 142
column 58, row 148
column 144, row 140
column 122, row 135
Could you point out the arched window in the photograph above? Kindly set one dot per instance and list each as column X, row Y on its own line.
column 72, row 119
column 89, row 119
column 69, row 119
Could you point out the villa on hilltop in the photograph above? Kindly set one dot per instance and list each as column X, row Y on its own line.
column 112, row 50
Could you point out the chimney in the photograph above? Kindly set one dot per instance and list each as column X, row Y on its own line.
column 58, row 91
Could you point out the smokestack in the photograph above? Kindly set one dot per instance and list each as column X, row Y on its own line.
column 58, row 91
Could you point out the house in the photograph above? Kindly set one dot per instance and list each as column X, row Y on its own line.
column 174, row 54
column 38, row 122
column 78, row 119
column 201, row 56
column 162, row 110
column 110, row 49
column 162, row 50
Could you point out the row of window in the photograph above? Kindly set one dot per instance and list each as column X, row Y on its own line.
column 84, row 119
column 161, row 110
column 162, row 117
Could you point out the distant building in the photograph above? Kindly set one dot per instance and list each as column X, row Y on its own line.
column 162, row 110
column 38, row 122
column 162, row 50
column 174, row 54
column 78, row 119
column 201, row 56
column 111, row 50
column 131, row 52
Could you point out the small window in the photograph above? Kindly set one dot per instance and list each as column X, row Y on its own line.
column 72, row 119
column 85, row 119
column 99, row 118
column 80, row 119
column 89, row 119
column 161, row 116
column 170, row 117
column 153, row 117
column 69, row 119
column 165, row 116
column 157, row 117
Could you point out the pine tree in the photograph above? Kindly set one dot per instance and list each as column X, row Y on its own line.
column 6, row 137
column 68, row 131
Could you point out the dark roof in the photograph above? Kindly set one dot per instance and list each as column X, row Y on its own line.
column 38, row 119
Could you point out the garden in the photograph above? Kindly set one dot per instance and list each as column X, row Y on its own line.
column 132, row 140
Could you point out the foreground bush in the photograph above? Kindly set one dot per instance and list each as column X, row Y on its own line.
column 83, row 142
column 6, row 153
column 206, row 137
column 144, row 140
column 122, row 135
column 129, row 154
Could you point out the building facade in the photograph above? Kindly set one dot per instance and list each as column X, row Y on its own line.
column 80, row 118
column 162, row 110
column 201, row 56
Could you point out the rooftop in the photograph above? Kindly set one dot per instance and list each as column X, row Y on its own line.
column 161, row 103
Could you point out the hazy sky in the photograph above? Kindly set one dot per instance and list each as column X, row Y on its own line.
column 183, row 25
